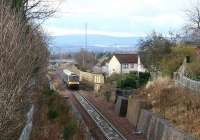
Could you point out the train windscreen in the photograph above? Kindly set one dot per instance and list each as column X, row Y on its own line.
column 73, row 78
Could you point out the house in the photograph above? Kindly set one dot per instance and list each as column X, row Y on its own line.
column 125, row 63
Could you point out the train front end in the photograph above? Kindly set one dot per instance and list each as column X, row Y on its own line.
column 73, row 82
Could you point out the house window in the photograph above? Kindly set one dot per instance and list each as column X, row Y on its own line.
column 125, row 66
column 132, row 66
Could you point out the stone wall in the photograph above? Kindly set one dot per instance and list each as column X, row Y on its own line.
column 152, row 126
column 86, row 76
column 155, row 128
column 134, row 108
column 92, row 77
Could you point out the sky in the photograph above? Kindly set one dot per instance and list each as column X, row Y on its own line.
column 121, row 18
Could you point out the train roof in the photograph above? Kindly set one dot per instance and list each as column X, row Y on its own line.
column 67, row 72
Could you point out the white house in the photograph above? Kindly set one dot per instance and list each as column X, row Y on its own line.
column 125, row 63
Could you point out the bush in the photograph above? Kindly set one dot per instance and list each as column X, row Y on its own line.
column 132, row 81
column 48, row 92
column 52, row 114
column 51, row 100
column 82, row 68
column 107, row 95
column 193, row 70
column 127, row 82
column 113, row 77
column 69, row 130
column 169, row 100
column 143, row 78
column 171, row 62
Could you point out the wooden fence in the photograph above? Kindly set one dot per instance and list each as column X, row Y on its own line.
column 184, row 81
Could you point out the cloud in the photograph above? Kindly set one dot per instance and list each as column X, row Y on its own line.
column 159, row 20
column 56, row 31
column 105, row 16
column 119, row 7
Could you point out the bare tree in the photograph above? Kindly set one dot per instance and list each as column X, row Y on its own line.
column 34, row 9
column 85, row 59
column 191, row 31
column 39, row 9
column 193, row 16
column 23, row 61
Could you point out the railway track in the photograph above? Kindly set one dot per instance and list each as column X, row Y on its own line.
column 110, row 132
column 105, row 129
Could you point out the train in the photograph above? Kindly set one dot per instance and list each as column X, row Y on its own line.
column 71, row 79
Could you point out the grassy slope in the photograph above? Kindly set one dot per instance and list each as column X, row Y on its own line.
column 175, row 104
column 52, row 118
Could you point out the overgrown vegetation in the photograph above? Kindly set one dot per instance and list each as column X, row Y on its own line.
column 193, row 69
column 179, row 106
column 85, row 60
column 55, row 117
column 69, row 130
column 132, row 80
column 57, row 109
column 154, row 44
column 172, row 61
column 23, row 64
column 169, row 56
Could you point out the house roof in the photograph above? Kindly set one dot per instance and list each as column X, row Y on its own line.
column 127, row 58
column 106, row 61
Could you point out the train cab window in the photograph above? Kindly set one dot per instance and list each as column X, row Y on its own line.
column 74, row 78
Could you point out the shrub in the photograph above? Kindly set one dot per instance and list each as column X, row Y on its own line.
column 113, row 77
column 69, row 130
column 193, row 70
column 48, row 92
column 171, row 62
column 107, row 95
column 82, row 68
column 169, row 100
column 143, row 78
column 52, row 114
column 51, row 100
column 132, row 81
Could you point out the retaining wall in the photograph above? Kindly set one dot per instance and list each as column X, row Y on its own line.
column 134, row 108
column 152, row 126
column 92, row 77
column 155, row 128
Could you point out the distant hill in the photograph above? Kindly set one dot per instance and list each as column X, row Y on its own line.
column 96, row 43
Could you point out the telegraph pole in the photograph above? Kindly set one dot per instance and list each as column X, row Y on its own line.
column 86, row 36
column 85, row 46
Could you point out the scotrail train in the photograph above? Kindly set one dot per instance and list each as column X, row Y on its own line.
column 71, row 79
